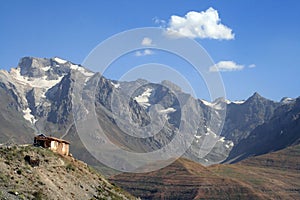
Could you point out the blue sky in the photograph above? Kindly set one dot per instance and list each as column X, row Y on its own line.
column 266, row 34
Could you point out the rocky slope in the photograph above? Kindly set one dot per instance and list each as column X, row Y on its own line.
column 272, row 176
column 42, row 91
column 280, row 131
column 11, row 119
column 37, row 97
column 243, row 118
column 47, row 175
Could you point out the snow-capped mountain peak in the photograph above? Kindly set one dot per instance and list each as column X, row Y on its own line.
column 33, row 78
column 287, row 100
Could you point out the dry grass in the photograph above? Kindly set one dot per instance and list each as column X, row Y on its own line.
column 56, row 177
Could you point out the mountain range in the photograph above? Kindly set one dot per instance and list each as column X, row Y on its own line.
column 37, row 95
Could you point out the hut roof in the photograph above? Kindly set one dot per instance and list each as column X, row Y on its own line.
column 43, row 137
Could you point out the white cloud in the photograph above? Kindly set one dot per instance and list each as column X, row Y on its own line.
column 252, row 66
column 138, row 53
column 147, row 42
column 224, row 66
column 145, row 52
column 205, row 24
column 160, row 22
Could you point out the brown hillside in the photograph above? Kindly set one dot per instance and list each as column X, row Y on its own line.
column 272, row 176
column 38, row 173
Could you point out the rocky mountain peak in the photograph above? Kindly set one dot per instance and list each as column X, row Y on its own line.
column 50, row 69
column 31, row 83
column 256, row 95
column 287, row 100
column 171, row 86
column 257, row 98
column 33, row 67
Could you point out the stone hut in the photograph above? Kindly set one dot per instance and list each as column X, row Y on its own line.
column 54, row 144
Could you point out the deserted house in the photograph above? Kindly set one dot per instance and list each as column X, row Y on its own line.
column 54, row 144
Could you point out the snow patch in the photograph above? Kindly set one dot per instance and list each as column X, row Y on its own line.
column 60, row 61
column 86, row 80
column 238, row 102
column 75, row 67
column 207, row 103
column 24, row 84
column 165, row 112
column 216, row 105
column 287, row 100
column 197, row 136
column 222, row 139
column 227, row 101
column 143, row 99
column 46, row 68
column 210, row 132
column 116, row 85
column 82, row 70
column 168, row 110
column 229, row 145
column 41, row 82
column 28, row 116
